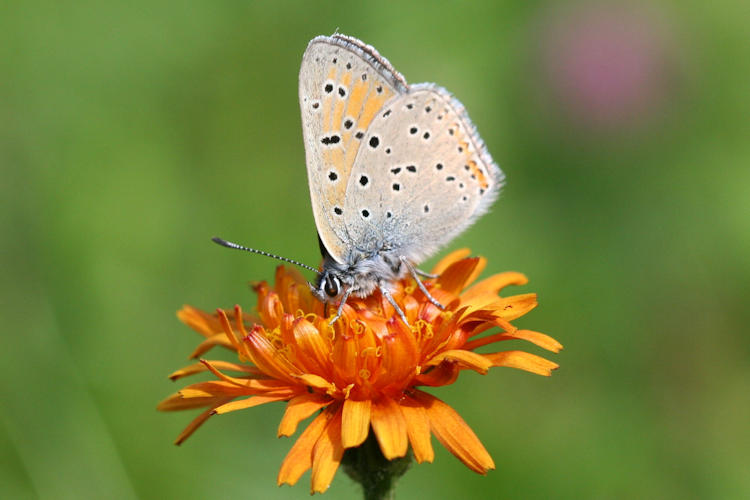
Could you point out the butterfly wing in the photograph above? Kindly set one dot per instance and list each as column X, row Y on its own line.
column 343, row 83
column 421, row 177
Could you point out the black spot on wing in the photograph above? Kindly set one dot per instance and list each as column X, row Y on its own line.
column 332, row 139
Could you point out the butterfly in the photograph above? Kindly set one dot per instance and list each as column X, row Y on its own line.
column 395, row 171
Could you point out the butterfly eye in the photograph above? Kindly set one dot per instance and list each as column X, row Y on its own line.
column 332, row 286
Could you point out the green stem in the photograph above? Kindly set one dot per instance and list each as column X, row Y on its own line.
column 377, row 475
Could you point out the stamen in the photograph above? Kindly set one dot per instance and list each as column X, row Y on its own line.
column 367, row 352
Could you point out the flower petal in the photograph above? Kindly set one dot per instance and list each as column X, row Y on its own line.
column 267, row 357
column 510, row 308
column 299, row 458
column 314, row 351
column 400, row 357
column 299, row 408
column 455, row 277
column 476, row 272
column 389, row 425
column 411, row 307
column 229, row 333
column 241, row 404
column 449, row 259
column 286, row 277
column 522, row 361
column 355, row 422
column 200, row 321
column 270, row 310
column 205, row 393
column 176, row 402
column 344, row 356
column 238, row 387
column 211, row 342
column 443, row 374
column 455, row 434
column 221, row 365
column 465, row 359
column 208, row 390
column 198, row 421
column 494, row 284
column 540, row 339
column 418, row 429
column 326, row 455
column 240, row 381
column 316, row 382
column 292, row 288
column 368, row 359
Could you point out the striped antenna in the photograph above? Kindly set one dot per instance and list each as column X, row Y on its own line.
column 229, row 244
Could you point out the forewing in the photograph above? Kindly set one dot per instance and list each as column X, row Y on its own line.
column 343, row 84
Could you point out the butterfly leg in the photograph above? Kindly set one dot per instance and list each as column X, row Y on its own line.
column 415, row 274
column 390, row 299
column 425, row 274
column 341, row 305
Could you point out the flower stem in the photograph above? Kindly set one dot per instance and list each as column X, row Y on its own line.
column 377, row 475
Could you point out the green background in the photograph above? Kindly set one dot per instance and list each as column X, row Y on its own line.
column 131, row 133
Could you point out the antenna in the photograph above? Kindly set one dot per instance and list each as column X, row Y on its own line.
column 229, row 244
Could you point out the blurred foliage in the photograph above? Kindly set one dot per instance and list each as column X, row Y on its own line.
column 130, row 133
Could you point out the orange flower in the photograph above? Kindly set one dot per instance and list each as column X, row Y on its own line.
column 363, row 371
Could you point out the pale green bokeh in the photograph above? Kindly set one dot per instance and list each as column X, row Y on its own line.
column 132, row 133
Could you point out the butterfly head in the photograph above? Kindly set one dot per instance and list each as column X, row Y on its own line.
column 360, row 275
column 336, row 281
